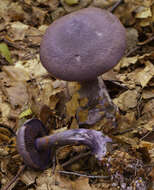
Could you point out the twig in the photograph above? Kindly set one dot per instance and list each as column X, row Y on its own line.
column 123, row 132
column 145, row 135
column 132, row 51
column 139, row 107
column 14, row 179
column 146, row 41
column 8, row 128
column 82, row 155
column 84, row 175
column 112, row 9
column 139, row 45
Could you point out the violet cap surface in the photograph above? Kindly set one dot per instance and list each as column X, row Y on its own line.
column 83, row 45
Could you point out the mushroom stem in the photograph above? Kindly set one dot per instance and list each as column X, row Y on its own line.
column 95, row 106
column 95, row 140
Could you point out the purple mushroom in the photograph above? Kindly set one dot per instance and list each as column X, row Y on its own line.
column 83, row 45
column 38, row 150
column 77, row 47
column 80, row 47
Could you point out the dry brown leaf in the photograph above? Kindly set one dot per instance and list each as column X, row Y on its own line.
column 126, row 62
column 74, row 124
column 33, row 67
column 34, row 36
column 46, row 91
column 80, row 5
column 47, row 180
column 143, row 12
column 4, row 108
column 15, row 12
column 59, row 12
column 148, row 93
column 52, row 4
column 17, row 30
column 54, row 99
column 25, row 23
column 82, row 184
column 39, row 15
column 83, row 115
column 16, row 94
column 16, row 74
column 3, row 152
column 4, row 9
column 148, row 109
column 15, row 89
column 103, row 3
column 129, row 139
column 127, row 100
column 29, row 177
column 150, row 147
column 145, row 75
column 72, row 105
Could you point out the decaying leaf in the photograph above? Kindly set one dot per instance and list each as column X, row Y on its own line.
column 150, row 147
column 32, row 67
column 79, row 5
column 47, row 181
column 16, row 74
column 27, row 90
column 18, row 30
column 148, row 93
column 72, row 105
column 145, row 75
column 4, row 51
column 29, row 177
column 127, row 61
column 127, row 100
column 17, row 94
column 143, row 12
column 82, row 184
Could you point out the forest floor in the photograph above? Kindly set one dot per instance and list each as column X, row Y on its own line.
column 27, row 91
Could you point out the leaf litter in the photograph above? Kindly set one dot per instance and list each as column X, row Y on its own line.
column 27, row 90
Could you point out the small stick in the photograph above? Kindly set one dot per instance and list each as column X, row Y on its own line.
column 146, row 41
column 84, row 175
column 132, row 51
column 112, row 9
column 123, row 132
column 139, row 45
column 148, row 133
column 82, row 155
column 14, row 179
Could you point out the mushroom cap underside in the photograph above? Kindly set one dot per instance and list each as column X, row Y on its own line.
column 26, row 146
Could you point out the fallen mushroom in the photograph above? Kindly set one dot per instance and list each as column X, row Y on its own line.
column 80, row 47
column 38, row 150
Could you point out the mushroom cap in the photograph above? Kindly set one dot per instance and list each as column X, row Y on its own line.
column 83, row 45
column 26, row 145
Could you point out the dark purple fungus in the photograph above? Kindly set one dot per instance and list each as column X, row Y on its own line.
column 38, row 150
column 80, row 47
column 83, row 45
